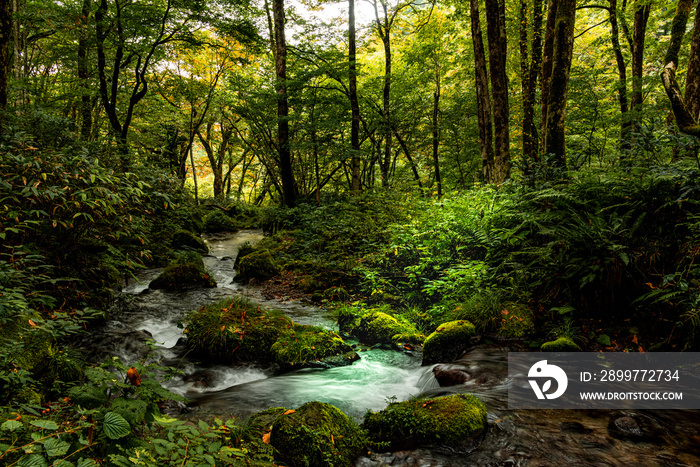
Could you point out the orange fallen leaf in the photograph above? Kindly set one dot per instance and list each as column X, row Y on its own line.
column 634, row 340
column 134, row 377
column 332, row 440
column 32, row 323
column 266, row 438
column 289, row 411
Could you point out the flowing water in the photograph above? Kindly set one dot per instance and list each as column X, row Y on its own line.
column 526, row 437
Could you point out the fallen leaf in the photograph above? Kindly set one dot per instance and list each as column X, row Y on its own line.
column 32, row 324
column 133, row 376
column 289, row 411
column 266, row 438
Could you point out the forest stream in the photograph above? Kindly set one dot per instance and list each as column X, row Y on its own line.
column 525, row 437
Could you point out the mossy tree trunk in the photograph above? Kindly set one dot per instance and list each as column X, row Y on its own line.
column 496, row 32
column 641, row 19
column 681, row 108
column 562, row 50
column 483, row 100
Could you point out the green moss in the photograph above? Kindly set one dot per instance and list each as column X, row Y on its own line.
column 244, row 250
column 377, row 327
column 183, row 239
column 563, row 344
column 235, row 330
column 447, row 342
column 450, row 421
column 317, row 434
column 516, row 321
column 312, row 346
column 257, row 265
column 218, row 221
column 187, row 270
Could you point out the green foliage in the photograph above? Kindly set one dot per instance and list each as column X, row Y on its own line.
column 452, row 421
column 311, row 345
column 219, row 221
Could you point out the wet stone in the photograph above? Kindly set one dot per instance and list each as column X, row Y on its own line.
column 574, row 427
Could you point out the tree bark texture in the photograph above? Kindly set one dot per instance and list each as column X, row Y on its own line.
column 496, row 32
column 547, row 56
column 559, row 84
column 684, row 119
column 285, row 157
column 641, row 19
column 483, row 101
column 83, row 75
column 692, row 82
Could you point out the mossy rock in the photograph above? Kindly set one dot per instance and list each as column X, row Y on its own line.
column 516, row 321
column 452, row 421
column 377, row 327
column 447, row 342
column 218, row 221
column 257, row 265
column 309, row 283
column 311, row 346
column 317, row 434
column 347, row 320
column 244, row 250
column 563, row 344
column 183, row 239
column 235, row 330
column 186, row 270
column 28, row 396
column 336, row 294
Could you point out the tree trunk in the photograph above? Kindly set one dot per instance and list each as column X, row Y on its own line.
column 684, row 118
column 436, row 140
column 559, row 84
column 641, row 18
column 5, row 36
column 285, row 157
column 386, row 92
column 547, row 55
column 496, row 32
column 83, row 76
column 194, row 177
column 354, row 102
column 483, row 102
column 530, row 72
column 622, row 74
column 692, row 83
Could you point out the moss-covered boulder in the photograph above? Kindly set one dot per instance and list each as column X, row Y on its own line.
column 453, row 421
column 316, row 434
column 516, row 321
column 257, row 265
column 187, row 270
column 219, row 221
column 184, row 239
column 447, row 342
column 311, row 346
column 377, row 327
column 234, row 330
column 563, row 344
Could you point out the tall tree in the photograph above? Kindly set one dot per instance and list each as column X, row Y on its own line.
column 622, row 75
column 562, row 55
column 284, row 151
column 83, row 72
column 641, row 19
column 354, row 102
column 496, row 32
column 483, row 100
column 530, row 67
